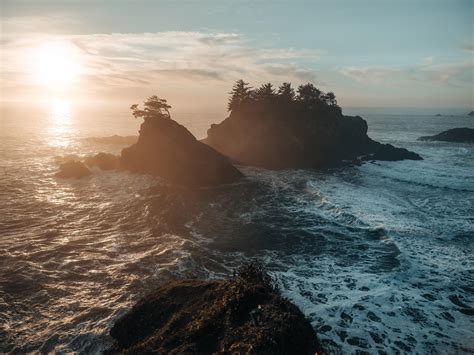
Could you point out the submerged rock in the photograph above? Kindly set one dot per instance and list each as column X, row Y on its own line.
column 291, row 135
column 167, row 149
column 245, row 314
column 104, row 161
column 461, row 135
column 73, row 169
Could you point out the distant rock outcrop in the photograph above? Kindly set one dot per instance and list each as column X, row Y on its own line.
column 471, row 113
column 167, row 149
column 461, row 135
column 104, row 161
column 282, row 135
column 73, row 169
column 245, row 314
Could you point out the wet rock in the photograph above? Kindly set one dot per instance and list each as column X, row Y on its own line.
column 167, row 149
column 462, row 135
column 388, row 152
column 196, row 316
column 104, row 161
column 73, row 169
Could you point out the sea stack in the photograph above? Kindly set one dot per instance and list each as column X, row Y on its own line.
column 460, row 135
column 284, row 130
column 167, row 149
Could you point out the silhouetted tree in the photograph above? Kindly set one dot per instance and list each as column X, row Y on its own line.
column 153, row 108
column 308, row 93
column 330, row 99
column 240, row 92
column 286, row 92
column 264, row 92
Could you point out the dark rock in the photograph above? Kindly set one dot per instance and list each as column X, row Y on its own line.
column 104, row 161
column 390, row 153
column 283, row 137
column 72, row 169
column 471, row 113
column 167, row 149
column 461, row 135
column 195, row 316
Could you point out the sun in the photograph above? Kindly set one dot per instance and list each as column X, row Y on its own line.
column 57, row 64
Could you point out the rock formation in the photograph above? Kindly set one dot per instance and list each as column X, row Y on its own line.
column 104, row 161
column 282, row 135
column 167, row 149
column 245, row 314
column 461, row 135
column 73, row 169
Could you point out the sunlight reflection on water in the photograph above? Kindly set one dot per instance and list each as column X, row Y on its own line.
column 61, row 123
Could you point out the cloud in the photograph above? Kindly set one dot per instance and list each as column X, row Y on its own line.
column 144, row 59
column 454, row 74
column 468, row 47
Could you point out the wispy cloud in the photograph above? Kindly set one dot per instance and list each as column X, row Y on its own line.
column 140, row 59
column 455, row 74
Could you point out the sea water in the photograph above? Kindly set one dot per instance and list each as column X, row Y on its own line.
column 379, row 257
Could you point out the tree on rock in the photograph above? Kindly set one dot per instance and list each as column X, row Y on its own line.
column 330, row 99
column 309, row 93
column 240, row 92
column 153, row 108
column 286, row 92
column 264, row 92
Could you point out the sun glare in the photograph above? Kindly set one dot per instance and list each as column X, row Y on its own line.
column 57, row 64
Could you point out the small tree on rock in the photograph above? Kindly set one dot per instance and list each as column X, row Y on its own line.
column 153, row 108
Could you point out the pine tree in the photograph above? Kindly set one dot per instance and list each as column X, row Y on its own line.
column 286, row 92
column 264, row 92
column 309, row 93
column 240, row 92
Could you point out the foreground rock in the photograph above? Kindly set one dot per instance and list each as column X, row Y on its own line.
column 167, row 149
column 245, row 314
column 461, row 135
column 291, row 135
column 73, row 169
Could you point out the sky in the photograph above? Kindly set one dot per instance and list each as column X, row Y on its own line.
column 377, row 53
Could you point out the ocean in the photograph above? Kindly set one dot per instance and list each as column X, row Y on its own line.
column 379, row 257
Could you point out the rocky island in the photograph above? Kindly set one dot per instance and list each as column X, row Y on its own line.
column 167, row 149
column 285, row 129
column 244, row 314
column 460, row 135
